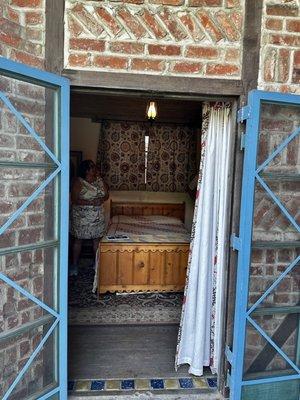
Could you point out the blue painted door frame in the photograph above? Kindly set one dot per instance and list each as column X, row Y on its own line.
column 60, row 88
column 243, row 244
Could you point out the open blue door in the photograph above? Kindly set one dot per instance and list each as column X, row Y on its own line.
column 265, row 358
column 34, row 193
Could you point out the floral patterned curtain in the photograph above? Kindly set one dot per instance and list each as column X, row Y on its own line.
column 121, row 155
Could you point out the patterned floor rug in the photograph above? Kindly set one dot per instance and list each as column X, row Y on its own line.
column 85, row 308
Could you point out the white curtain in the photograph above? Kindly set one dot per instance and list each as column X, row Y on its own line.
column 200, row 329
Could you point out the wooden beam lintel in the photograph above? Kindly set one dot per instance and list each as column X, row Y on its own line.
column 154, row 84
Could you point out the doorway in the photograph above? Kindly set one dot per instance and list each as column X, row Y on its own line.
column 127, row 325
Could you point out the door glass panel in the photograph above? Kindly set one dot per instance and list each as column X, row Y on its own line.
column 38, row 222
column 272, row 391
column 261, row 359
column 16, row 349
column 38, row 106
column 35, row 271
column 40, row 377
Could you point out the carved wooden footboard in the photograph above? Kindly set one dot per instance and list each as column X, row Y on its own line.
column 142, row 267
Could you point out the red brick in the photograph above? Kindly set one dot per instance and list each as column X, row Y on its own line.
column 283, row 10
column 208, row 3
column 28, row 59
column 222, row 69
column 175, row 29
column 147, row 65
column 164, row 50
column 293, row 25
column 209, row 26
column 297, row 59
column 75, row 28
column 184, row 67
column 24, row 348
column 34, row 34
column 283, row 40
column 232, row 3
column 79, row 60
column 237, row 19
column 126, row 47
column 10, row 40
column 109, row 20
column 153, row 24
column 132, row 23
column 168, row 2
column 230, row 31
column 27, row 3
column 283, row 65
column 27, row 236
column 232, row 55
column 194, row 30
column 13, row 15
column 201, row 52
column 269, row 65
column 274, row 24
column 110, row 62
column 87, row 19
column 87, row 44
column 34, row 18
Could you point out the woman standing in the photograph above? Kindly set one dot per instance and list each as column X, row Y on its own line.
column 87, row 215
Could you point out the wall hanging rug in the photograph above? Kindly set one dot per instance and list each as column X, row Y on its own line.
column 171, row 159
column 85, row 308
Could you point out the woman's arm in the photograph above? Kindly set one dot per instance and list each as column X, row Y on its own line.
column 75, row 195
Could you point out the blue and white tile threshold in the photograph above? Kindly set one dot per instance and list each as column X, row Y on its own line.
column 170, row 388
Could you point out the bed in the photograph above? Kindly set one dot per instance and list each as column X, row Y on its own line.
column 145, row 248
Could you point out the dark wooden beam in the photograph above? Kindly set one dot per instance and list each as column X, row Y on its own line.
column 154, row 84
column 251, row 44
column 54, row 44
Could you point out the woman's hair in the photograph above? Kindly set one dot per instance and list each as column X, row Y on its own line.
column 84, row 167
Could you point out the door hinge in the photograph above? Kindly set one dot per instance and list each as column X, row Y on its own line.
column 243, row 141
column 235, row 242
column 228, row 354
column 228, row 380
column 243, row 113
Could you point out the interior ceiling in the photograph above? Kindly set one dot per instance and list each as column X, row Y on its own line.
column 128, row 108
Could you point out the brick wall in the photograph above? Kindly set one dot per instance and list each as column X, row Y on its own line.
column 22, row 32
column 169, row 37
column 22, row 39
column 280, row 54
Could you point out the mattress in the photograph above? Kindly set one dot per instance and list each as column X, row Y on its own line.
column 146, row 229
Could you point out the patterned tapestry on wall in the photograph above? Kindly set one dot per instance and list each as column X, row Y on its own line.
column 171, row 159
column 121, row 155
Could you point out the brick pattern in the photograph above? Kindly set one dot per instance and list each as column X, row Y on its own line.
column 280, row 42
column 267, row 264
column 173, row 37
column 22, row 35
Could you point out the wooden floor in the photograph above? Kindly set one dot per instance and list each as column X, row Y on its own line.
column 131, row 351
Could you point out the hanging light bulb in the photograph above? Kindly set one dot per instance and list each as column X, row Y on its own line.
column 151, row 110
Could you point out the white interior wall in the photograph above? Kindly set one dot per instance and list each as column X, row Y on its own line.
column 85, row 137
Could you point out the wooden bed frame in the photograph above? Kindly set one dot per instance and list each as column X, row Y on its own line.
column 135, row 267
